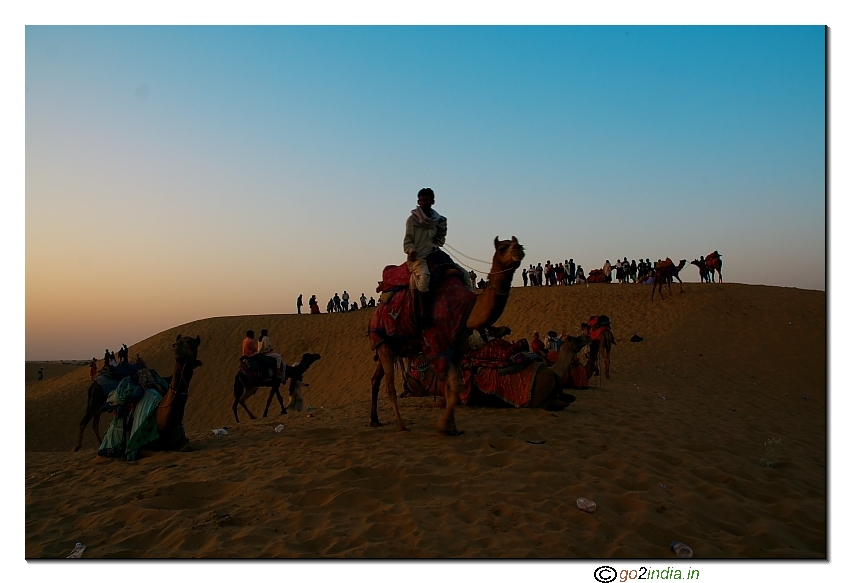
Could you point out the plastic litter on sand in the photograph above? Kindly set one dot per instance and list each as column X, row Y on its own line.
column 682, row 550
column 219, row 432
column 279, row 428
column 77, row 552
column 585, row 504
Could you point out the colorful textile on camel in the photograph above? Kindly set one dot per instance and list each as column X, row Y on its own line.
column 597, row 325
column 499, row 373
column 449, row 311
column 136, row 409
column 596, row 276
column 397, row 277
column 488, row 387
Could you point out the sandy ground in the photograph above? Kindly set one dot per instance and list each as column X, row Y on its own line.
column 737, row 365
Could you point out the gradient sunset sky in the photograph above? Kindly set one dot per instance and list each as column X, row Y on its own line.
column 179, row 173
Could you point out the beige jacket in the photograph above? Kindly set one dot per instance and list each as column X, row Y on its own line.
column 423, row 233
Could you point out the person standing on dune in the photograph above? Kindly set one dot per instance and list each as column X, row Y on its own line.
column 299, row 302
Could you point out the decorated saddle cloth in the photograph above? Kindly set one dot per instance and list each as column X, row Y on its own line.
column 596, row 276
column 712, row 255
column 259, row 367
column 450, row 308
column 598, row 324
column 140, row 418
column 500, row 374
column 397, row 277
column 108, row 380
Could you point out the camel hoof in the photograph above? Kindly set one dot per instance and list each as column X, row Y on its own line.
column 451, row 432
column 402, row 429
column 283, row 412
column 77, row 448
column 375, row 424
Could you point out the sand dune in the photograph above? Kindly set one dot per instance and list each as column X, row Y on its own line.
column 737, row 365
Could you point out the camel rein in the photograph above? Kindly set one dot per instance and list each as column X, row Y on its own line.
column 173, row 382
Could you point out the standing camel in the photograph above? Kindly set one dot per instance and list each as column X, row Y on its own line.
column 703, row 270
column 600, row 347
column 454, row 313
column 712, row 263
column 664, row 273
column 244, row 386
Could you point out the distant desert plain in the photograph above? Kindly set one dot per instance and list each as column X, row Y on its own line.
column 711, row 431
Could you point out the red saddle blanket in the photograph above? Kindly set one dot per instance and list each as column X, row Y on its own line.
column 596, row 276
column 450, row 309
column 490, row 386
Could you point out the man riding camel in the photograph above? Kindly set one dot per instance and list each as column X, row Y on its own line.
column 425, row 231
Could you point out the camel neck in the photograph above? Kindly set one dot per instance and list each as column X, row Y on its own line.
column 183, row 371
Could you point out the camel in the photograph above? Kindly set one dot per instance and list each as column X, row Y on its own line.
column 703, row 270
column 600, row 347
column 664, row 273
column 244, row 387
column 488, row 307
column 548, row 385
column 712, row 262
column 169, row 413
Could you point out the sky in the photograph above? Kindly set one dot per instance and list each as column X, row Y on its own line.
column 179, row 173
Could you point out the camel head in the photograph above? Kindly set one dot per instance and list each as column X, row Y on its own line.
column 186, row 348
column 509, row 254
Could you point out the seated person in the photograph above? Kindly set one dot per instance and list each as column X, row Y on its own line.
column 264, row 348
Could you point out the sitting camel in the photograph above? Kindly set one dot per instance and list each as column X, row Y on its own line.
column 664, row 272
column 456, row 309
column 245, row 387
column 170, row 410
column 546, row 390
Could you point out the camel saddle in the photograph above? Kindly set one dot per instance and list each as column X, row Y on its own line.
column 397, row 277
column 596, row 276
column 666, row 263
column 714, row 255
column 597, row 325
column 258, row 367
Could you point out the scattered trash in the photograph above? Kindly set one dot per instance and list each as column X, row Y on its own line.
column 662, row 485
column 309, row 407
column 535, row 441
column 310, row 415
column 775, row 453
column 662, row 397
column 77, row 552
column 219, row 432
column 279, row 428
column 585, row 504
column 805, row 397
column 636, row 338
column 682, row 550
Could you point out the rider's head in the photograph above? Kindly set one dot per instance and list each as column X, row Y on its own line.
column 249, row 333
column 425, row 198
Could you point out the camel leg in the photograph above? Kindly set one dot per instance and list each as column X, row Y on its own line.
column 86, row 418
column 389, row 380
column 96, row 427
column 247, row 410
column 446, row 424
column 377, row 377
column 720, row 275
column 606, row 356
column 681, row 287
column 238, row 391
column 274, row 392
